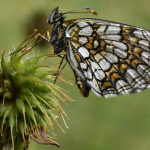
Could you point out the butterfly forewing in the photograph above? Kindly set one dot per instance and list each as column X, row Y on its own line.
column 111, row 58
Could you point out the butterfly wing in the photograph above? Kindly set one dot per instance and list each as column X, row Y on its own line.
column 109, row 57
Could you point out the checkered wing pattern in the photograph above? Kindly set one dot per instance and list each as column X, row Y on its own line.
column 109, row 57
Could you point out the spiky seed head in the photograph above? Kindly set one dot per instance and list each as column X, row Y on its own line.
column 29, row 100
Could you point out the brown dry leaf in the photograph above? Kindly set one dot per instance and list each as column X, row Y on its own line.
column 41, row 137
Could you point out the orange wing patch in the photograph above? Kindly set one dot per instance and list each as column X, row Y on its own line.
column 106, row 85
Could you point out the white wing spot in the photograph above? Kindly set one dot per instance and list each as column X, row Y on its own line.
column 83, row 65
column 86, row 31
column 100, row 30
column 120, row 53
column 88, row 73
column 83, row 40
column 144, row 44
column 99, row 74
column 115, row 24
column 111, row 37
column 94, row 65
column 119, row 45
column 108, row 41
column 95, row 43
column 139, row 34
column 111, row 57
column 82, row 24
column 69, row 32
column 84, row 52
column 146, row 57
column 109, row 48
column 104, row 64
column 98, row 57
column 113, row 30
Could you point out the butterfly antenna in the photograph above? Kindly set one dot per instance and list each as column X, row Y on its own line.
column 86, row 7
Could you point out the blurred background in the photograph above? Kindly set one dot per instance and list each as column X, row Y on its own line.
column 121, row 123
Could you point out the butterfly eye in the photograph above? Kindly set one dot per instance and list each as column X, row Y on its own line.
column 55, row 16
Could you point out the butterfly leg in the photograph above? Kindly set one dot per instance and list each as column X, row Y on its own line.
column 47, row 39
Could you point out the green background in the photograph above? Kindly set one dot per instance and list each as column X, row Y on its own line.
column 121, row 123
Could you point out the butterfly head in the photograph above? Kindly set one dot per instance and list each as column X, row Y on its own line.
column 55, row 16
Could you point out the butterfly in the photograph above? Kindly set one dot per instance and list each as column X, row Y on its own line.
column 108, row 57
